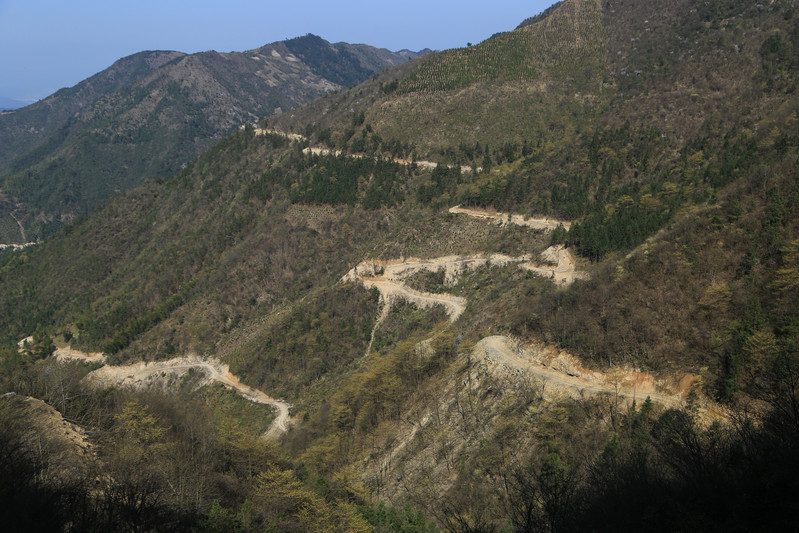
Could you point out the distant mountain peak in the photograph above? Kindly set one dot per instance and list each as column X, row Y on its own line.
column 152, row 112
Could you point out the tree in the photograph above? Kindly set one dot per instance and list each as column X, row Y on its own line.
column 786, row 278
column 136, row 485
column 285, row 503
column 541, row 498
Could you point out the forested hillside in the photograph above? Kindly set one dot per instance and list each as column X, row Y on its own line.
column 602, row 335
column 150, row 114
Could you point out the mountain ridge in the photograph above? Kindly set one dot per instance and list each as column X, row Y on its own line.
column 149, row 114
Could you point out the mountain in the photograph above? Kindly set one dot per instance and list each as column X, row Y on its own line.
column 514, row 86
column 149, row 114
column 32, row 125
column 582, row 319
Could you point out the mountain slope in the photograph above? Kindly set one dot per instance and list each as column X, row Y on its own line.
column 606, row 105
column 31, row 125
column 149, row 114
column 506, row 88
column 622, row 184
column 660, row 384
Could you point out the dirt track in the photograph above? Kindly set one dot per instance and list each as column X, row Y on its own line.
column 16, row 247
column 144, row 375
column 390, row 290
column 562, row 373
column 564, row 273
column 503, row 219
column 387, row 276
column 68, row 354
column 317, row 150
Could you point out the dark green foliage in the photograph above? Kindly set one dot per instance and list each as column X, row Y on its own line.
column 390, row 87
column 638, row 210
column 735, row 359
column 443, row 179
column 780, row 55
column 392, row 520
column 701, row 291
column 544, row 497
column 329, row 179
column 673, row 474
column 601, row 233
column 124, row 335
column 318, row 337
column 220, row 520
column 336, row 64
column 506, row 57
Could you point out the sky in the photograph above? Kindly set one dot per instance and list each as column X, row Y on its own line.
column 49, row 44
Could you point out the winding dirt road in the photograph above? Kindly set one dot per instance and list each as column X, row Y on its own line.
column 317, row 150
column 144, row 375
column 388, row 276
column 563, row 373
column 390, row 290
column 503, row 219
